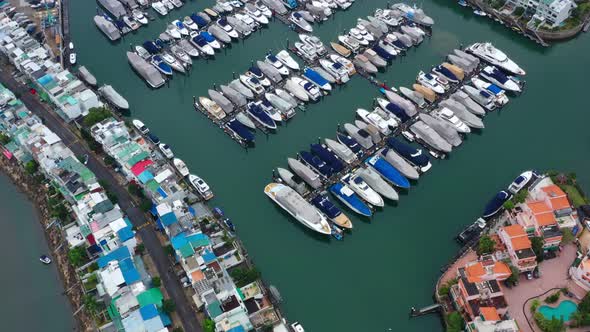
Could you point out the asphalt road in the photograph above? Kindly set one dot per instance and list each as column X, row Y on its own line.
column 169, row 280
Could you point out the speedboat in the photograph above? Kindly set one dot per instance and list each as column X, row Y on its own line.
column 350, row 143
column 450, row 117
column 387, row 47
column 414, row 96
column 376, row 182
column 500, row 97
column 461, row 63
column 362, row 31
column 160, row 8
column 415, row 156
column 387, row 171
column 263, row 9
column 343, row 4
column 307, row 174
column 341, row 150
column 290, row 201
column 261, row 116
column 474, row 61
column 378, row 23
column 212, row 13
column 173, row 31
column 181, row 27
column 350, row 199
column 370, row 129
column 363, row 63
column 316, row 163
column 415, row 34
column 463, row 98
column 222, row 23
column 221, row 100
column 297, row 90
column 443, row 71
column 300, row 22
column 130, row 22
column 390, row 119
column 180, row 166
column 247, row 20
column 443, row 128
column 373, row 29
column 312, row 91
column 241, row 88
column 360, row 135
column 175, row 64
column 189, row 23
column 335, row 69
column 161, row 65
column 139, row 16
column 413, row 14
column 45, row 259
column 492, row 55
column 430, row 137
column 428, row 94
column 201, row 186
column 251, row 10
column 239, row 25
column 306, row 51
column 201, row 44
column 245, row 120
column 328, row 156
column 287, row 60
column 430, row 82
column 394, row 109
column 344, row 62
column 496, row 76
column 350, row 43
column 276, row 6
column 458, row 72
column 496, row 203
column 214, row 43
column 395, row 42
column 386, row 16
column 149, row 46
column 199, row 20
column 212, row 108
column 219, row 34
column 140, row 126
column 240, row 130
column 322, row 203
column 374, row 58
column 187, row 47
column 343, row 51
column 520, row 182
column 317, row 79
column 166, row 151
column 274, row 113
column 314, row 42
column 177, row 3
column 361, row 188
column 252, row 83
column 462, row 113
column 275, row 62
column 204, row 16
column 375, row 120
column 483, row 98
column 354, row 33
column 257, row 73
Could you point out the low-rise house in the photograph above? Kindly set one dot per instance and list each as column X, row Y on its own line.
column 580, row 273
column 551, row 12
column 519, row 247
column 489, row 320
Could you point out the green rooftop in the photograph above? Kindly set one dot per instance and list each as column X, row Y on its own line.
column 214, row 309
column 150, row 296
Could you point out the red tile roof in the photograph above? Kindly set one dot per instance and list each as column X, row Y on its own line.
column 489, row 313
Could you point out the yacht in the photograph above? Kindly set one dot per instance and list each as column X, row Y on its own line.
column 414, row 96
column 463, row 98
column 394, row 109
column 146, row 70
column 429, row 95
column 161, row 65
column 270, row 71
column 256, row 73
column 415, row 156
column 363, row 63
column 293, row 181
column 390, row 119
column 278, row 102
column 430, row 82
column 300, row 22
column 245, row 120
column 314, row 42
column 286, row 97
column 107, row 27
column 462, row 113
column 520, row 182
column 350, row 42
column 497, row 77
column 139, row 16
column 336, row 69
column 184, row 31
column 406, row 105
column 241, row 88
column 221, row 100
column 355, row 34
column 275, row 62
column 290, row 201
column 430, row 137
column 323, row 73
column 306, row 51
column 222, row 23
column 344, row 62
column 443, row 71
column 312, row 91
column 350, row 143
column 414, row 14
column 307, row 174
column 202, row 187
column 450, row 117
column 251, row 10
column 443, row 128
column 350, row 199
column 341, row 150
column 492, row 55
column 287, row 60
column 247, row 20
column 328, row 156
column 375, row 120
column 45, row 259
column 263, row 8
column 212, row 108
column 374, row 58
column 261, row 116
column 188, row 48
column 252, row 83
column 180, row 167
column 322, row 203
column 220, row 34
column 361, row 188
column 317, row 79
column 370, row 129
column 172, row 62
column 386, row 16
column 496, row 203
column 214, row 43
column 189, row 23
column 201, row 44
column 361, row 136
column 297, row 90
column 234, row 96
column 160, row 8
column 166, row 151
column 238, row 25
column 399, row 163
column 387, row 171
column 483, row 98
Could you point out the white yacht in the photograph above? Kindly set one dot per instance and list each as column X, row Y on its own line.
column 429, row 81
column 180, row 166
column 375, row 120
column 361, row 188
column 450, row 117
column 496, row 76
column 275, row 62
column 287, row 60
column 306, row 51
column 160, row 8
column 314, row 42
column 201, row 186
column 489, row 53
column 335, row 69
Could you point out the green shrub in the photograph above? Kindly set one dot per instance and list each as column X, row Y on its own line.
column 552, row 298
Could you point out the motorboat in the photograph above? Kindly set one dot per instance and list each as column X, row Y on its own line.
column 343, row 51
column 361, row 136
column 139, row 16
column 500, row 97
column 252, row 83
column 221, row 100
column 172, row 62
column 201, row 186
column 140, row 126
column 86, row 76
column 184, row 31
column 316, row 163
column 297, row 90
column 416, row 36
column 399, row 163
column 211, row 41
column 166, row 151
column 343, row 4
column 374, row 58
column 181, row 55
column 394, row 109
column 180, row 167
column 161, row 65
column 362, row 189
column 219, row 34
column 494, row 56
column 390, row 119
column 443, row 71
column 315, row 78
column 370, row 27
column 496, row 76
column 356, row 35
column 240, row 130
column 335, row 69
column 204, row 16
column 287, row 97
column 306, row 51
column 341, row 150
column 199, row 20
column 375, row 120
column 344, row 62
column 328, row 156
column 160, row 8
column 239, row 25
column 430, row 137
column 450, row 117
column 361, row 33
column 378, row 23
column 397, row 41
column 223, row 6
column 406, row 105
column 429, row 81
column 312, row 91
column 350, row 199
column 361, row 61
column 107, row 27
column 212, row 108
column 177, row 3
column 211, row 13
column 496, row 203
column 73, row 59
column 470, row 58
column 376, row 182
column 471, row 234
column 151, row 74
column 300, row 22
column 463, row 98
column 429, row 95
column 261, row 116
column 386, row 47
column 235, row 96
column 222, row 23
column 277, row 6
column 251, row 10
column 236, row 3
column 278, row 102
column 413, row 14
column 370, row 129
column 443, row 128
column 270, row 71
column 461, row 63
column 415, row 156
column 241, row 88
column 259, row 75
column 263, row 8
column 349, row 42
column 130, row 22
column 414, row 96
column 350, row 143
column 319, row 9
column 188, row 48
column 458, row 72
column 245, row 120
column 247, row 20
column 314, row 42
column 386, row 16
column 267, row 107
column 387, row 171
column 520, row 182
column 275, row 62
column 287, row 60
column 201, row 44
column 189, row 23
column 322, row 203
column 462, row 113
column 293, row 181
column 483, row 98
column 324, row 74
column 307, row 174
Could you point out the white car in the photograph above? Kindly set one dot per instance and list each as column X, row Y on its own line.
column 166, row 150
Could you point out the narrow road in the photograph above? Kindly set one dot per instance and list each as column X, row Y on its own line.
column 152, row 244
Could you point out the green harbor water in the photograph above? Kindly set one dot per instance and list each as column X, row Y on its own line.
column 31, row 291
column 369, row 281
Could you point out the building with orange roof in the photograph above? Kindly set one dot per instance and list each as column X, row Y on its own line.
column 489, row 320
column 487, row 269
column 581, row 273
column 519, row 247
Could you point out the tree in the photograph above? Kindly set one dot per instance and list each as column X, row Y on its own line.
column 169, row 250
column 156, row 282
column 178, row 329
column 168, row 306
column 135, row 190
column 568, row 236
column 537, row 244
column 90, row 303
column 77, row 256
column 534, row 305
column 486, row 245
column 96, row 115
column 31, row 167
column 4, row 139
column 552, row 298
column 520, row 196
column 242, row 277
column 455, row 322
column 508, row 205
column 110, row 161
column 518, row 11
column 514, row 276
column 140, row 249
column 549, row 325
column 145, row 205
column 208, row 325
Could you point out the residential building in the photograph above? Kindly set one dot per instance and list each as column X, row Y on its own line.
column 550, row 12
column 489, row 320
column 580, row 273
column 519, row 247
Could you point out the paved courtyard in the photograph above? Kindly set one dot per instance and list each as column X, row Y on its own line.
column 554, row 274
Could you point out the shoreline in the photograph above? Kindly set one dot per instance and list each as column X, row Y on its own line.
column 67, row 274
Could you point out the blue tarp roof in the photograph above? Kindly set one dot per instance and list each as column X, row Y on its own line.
column 168, row 219
column 208, row 256
column 145, row 176
column 125, row 234
column 179, row 241
column 130, row 273
column 149, row 311
column 154, row 210
column 192, row 211
column 118, row 254
column 162, row 192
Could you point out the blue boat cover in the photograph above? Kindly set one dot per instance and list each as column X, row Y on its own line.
column 328, row 156
column 273, row 58
column 389, row 172
column 208, row 37
column 256, row 71
column 240, row 130
column 316, row 163
column 413, row 155
column 315, row 77
column 397, row 111
column 494, row 89
column 383, row 53
column 198, row 20
column 328, row 208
